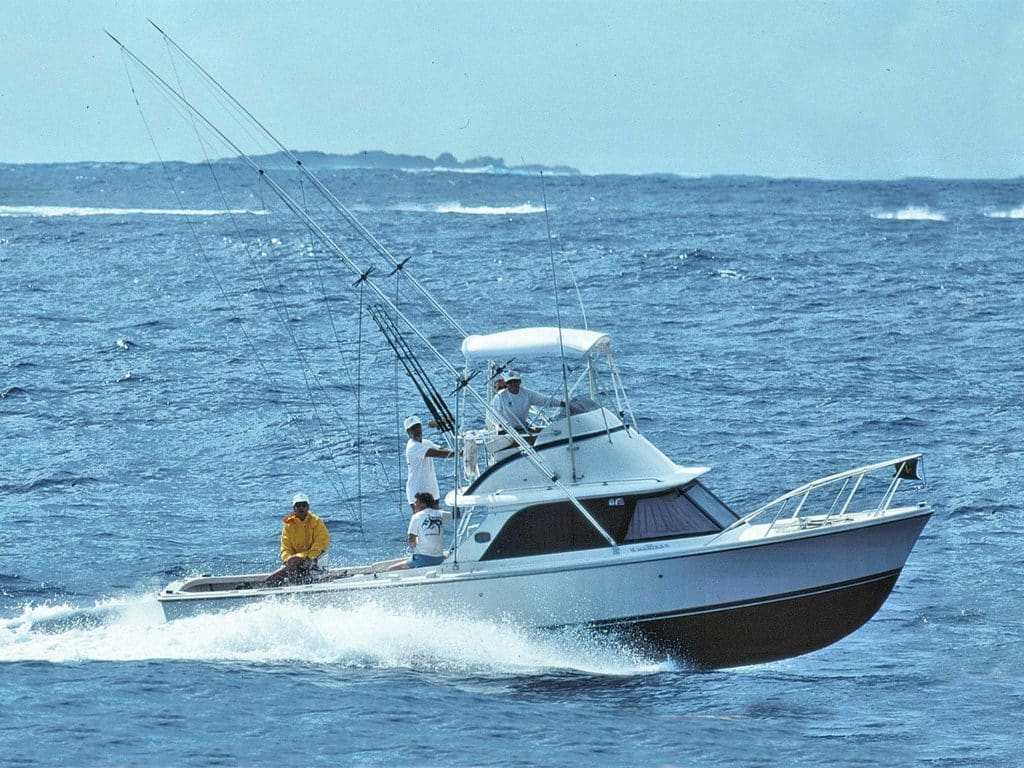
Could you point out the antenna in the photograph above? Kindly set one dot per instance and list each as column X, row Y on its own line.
column 558, row 316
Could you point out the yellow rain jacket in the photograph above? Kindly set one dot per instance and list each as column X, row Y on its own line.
column 306, row 538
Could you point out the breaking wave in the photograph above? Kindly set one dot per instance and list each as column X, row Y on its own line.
column 485, row 210
column 911, row 213
column 473, row 210
column 50, row 211
column 370, row 635
column 1013, row 213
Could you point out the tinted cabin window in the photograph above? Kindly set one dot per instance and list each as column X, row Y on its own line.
column 549, row 528
column 711, row 505
column 672, row 514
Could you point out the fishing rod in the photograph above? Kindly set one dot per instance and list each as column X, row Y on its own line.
column 315, row 228
column 340, row 207
column 436, row 403
column 428, row 393
column 445, row 415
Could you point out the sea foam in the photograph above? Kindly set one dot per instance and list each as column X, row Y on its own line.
column 51, row 211
column 1013, row 213
column 370, row 635
column 473, row 210
column 911, row 213
column 486, row 210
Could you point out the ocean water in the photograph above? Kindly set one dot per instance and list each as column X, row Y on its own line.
column 170, row 374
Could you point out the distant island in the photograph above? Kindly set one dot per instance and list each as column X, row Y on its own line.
column 378, row 159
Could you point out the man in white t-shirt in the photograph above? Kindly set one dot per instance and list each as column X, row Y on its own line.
column 419, row 457
column 514, row 401
column 426, row 533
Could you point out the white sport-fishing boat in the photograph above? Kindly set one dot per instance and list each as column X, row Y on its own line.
column 592, row 526
column 585, row 523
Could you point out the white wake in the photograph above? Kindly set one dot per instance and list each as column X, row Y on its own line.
column 371, row 635
column 51, row 211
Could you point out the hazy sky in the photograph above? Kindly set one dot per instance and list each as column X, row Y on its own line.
column 833, row 89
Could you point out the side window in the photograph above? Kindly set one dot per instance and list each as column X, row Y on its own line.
column 668, row 515
column 550, row 528
column 711, row 505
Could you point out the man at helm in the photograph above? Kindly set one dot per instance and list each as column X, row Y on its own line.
column 419, row 457
column 514, row 401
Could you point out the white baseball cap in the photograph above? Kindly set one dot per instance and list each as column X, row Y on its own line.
column 513, row 376
column 411, row 422
column 300, row 498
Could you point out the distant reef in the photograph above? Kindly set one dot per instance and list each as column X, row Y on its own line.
column 386, row 160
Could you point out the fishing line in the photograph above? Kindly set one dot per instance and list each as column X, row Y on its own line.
column 561, row 346
column 225, row 296
column 338, row 206
column 359, row 409
column 528, row 451
column 565, row 259
column 398, row 415
column 348, row 372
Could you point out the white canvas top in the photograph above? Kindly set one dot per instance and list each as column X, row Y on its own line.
column 533, row 342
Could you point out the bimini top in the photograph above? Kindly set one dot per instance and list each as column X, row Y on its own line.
column 534, row 342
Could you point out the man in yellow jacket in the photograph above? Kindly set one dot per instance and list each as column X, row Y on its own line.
column 304, row 539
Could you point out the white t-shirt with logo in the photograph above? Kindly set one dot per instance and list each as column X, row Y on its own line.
column 427, row 526
column 421, row 469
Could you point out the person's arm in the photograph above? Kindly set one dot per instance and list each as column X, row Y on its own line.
column 537, row 399
column 413, row 539
column 321, row 542
column 435, row 451
column 287, row 550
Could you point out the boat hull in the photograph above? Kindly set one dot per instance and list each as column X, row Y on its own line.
column 726, row 603
column 767, row 629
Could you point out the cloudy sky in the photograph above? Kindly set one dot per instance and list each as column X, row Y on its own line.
column 823, row 89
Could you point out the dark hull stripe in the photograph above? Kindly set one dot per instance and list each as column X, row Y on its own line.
column 750, row 603
column 775, row 628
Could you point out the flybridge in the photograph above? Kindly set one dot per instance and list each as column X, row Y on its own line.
column 535, row 342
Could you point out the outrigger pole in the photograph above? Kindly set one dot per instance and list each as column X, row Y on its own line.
column 399, row 266
column 328, row 241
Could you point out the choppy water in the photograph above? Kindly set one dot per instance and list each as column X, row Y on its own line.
column 156, row 419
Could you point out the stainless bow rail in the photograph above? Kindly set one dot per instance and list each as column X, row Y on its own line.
column 805, row 507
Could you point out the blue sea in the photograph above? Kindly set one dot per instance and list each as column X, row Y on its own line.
column 170, row 374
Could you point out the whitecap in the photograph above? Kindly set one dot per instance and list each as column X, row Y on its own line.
column 52, row 211
column 730, row 274
column 911, row 213
column 1013, row 213
column 469, row 210
column 487, row 210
